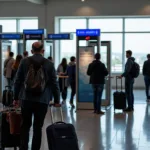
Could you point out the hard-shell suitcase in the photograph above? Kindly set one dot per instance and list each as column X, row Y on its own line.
column 61, row 135
column 7, row 140
column 7, row 98
column 119, row 97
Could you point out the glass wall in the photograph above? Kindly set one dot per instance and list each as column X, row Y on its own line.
column 17, row 25
column 123, row 32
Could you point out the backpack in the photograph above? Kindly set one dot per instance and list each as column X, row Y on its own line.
column 35, row 81
column 135, row 70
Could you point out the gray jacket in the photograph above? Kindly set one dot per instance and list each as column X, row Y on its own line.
column 128, row 67
column 19, row 90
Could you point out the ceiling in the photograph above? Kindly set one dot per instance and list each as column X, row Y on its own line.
column 32, row 1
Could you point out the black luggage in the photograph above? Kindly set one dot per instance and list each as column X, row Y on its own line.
column 119, row 97
column 61, row 135
column 7, row 99
column 7, row 140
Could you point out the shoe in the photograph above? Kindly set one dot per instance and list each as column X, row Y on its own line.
column 128, row 109
column 100, row 113
column 72, row 105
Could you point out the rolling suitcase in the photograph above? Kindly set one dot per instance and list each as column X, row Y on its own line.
column 7, row 140
column 7, row 98
column 61, row 135
column 119, row 97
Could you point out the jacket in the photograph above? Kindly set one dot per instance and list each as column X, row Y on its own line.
column 97, row 72
column 128, row 67
column 146, row 68
column 19, row 89
column 71, row 72
column 9, row 63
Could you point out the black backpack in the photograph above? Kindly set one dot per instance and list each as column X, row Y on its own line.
column 35, row 81
column 135, row 70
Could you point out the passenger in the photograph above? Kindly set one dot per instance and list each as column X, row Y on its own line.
column 129, row 81
column 16, row 66
column 50, row 58
column 63, row 84
column 97, row 72
column 146, row 73
column 71, row 72
column 34, row 95
column 8, row 68
column 25, row 54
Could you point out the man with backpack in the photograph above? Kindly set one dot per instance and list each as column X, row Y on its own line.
column 132, row 71
column 35, row 78
column 146, row 73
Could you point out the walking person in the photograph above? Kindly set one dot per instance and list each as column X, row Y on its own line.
column 146, row 73
column 129, row 81
column 34, row 79
column 71, row 72
column 8, row 68
column 97, row 72
column 63, row 82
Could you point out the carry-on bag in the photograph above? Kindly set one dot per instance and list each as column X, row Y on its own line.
column 7, row 98
column 119, row 97
column 61, row 135
column 7, row 140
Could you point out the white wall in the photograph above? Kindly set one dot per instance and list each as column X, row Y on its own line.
column 46, row 13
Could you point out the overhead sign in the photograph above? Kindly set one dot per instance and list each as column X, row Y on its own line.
column 33, row 37
column 88, row 32
column 11, row 36
column 59, row 36
column 34, row 31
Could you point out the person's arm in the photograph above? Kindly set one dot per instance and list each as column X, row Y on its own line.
column 144, row 69
column 105, row 71
column 127, row 68
column 54, row 86
column 89, row 70
column 19, row 80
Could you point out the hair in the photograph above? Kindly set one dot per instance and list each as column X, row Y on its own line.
column 17, row 61
column 64, row 62
column 72, row 59
column 37, row 46
column 11, row 54
column 25, row 54
column 148, row 56
column 97, row 56
column 50, row 58
column 129, row 52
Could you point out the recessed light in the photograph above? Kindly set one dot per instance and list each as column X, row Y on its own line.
column 82, row 0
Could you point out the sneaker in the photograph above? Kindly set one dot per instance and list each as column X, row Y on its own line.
column 101, row 112
column 128, row 109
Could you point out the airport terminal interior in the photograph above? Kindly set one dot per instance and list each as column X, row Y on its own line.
column 82, row 28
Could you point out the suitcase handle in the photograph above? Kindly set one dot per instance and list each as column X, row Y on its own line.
column 52, row 115
column 117, row 83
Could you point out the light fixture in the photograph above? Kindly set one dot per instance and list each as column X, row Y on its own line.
column 82, row 0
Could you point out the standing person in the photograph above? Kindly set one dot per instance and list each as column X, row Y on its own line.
column 25, row 54
column 129, row 81
column 146, row 73
column 97, row 72
column 63, row 84
column 8, row 67
column 71, row 72
column 16, row 66
column 34, row 79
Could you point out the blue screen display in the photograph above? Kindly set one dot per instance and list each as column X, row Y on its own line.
column 58, row 36
column 33, row 31
column 11, row 36
column 88, row 32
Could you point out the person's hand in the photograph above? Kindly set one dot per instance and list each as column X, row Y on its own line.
column 16, row 103
column 57, row 105
column 119, row 77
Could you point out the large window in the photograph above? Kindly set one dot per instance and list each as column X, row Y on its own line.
column 124, row 33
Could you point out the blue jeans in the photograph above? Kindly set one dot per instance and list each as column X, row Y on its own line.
column 98, row 91
column 147, row 84
column 129, row 92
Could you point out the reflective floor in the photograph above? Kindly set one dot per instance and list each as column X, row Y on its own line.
column 119, row 131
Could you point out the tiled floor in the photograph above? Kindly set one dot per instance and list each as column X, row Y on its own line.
column 119, row 131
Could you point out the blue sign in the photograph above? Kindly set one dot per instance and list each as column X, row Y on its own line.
column 34, row 31
column 59, row 36
column 11, row 36
column 88, row 32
